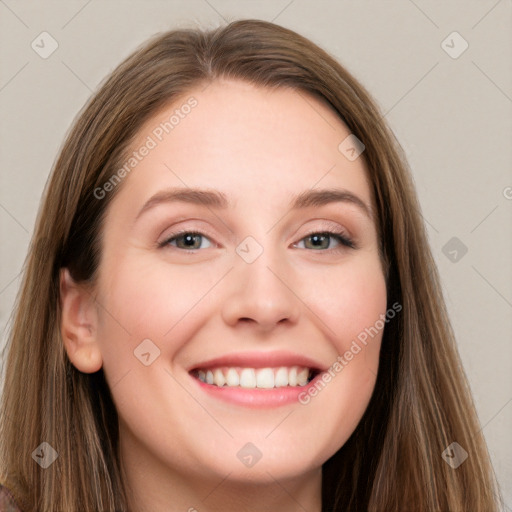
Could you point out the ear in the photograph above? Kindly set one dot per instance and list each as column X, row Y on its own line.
column 79, row 322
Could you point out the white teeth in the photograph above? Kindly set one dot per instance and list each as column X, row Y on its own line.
column 292, row 376
column 302, row 377
column 265, row 378
column 250, row 378
column 281, row 377
column 218, row 377
column 232, row 377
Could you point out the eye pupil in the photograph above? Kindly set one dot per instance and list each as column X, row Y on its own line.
column 190, row 239
column 319, row 239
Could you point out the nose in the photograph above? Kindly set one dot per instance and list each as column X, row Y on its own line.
column 261, row 293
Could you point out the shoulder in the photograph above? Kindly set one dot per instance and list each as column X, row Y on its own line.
column 7, row 503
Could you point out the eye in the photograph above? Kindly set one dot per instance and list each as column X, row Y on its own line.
column 316, row 240
column 320, row 240
column 187, row 240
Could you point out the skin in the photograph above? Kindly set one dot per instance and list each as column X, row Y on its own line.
column 179, row 446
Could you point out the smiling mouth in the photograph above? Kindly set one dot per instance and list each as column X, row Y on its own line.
column 256, row 378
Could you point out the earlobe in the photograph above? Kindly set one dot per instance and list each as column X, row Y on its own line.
column 78, row 324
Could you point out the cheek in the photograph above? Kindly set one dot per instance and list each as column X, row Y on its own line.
column 146, row 298
column 352, row 304
column 350, row 300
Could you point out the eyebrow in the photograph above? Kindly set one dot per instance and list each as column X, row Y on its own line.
column 197, row 196
column 218, row 200
column 323, row 197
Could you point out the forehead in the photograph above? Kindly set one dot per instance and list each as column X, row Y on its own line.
column 258, row 145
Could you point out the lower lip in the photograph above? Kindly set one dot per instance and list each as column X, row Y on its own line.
column 257, row 397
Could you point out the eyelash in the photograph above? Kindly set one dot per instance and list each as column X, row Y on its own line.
column 344, row 241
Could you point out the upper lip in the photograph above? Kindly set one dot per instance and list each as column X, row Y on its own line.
column 260, row 359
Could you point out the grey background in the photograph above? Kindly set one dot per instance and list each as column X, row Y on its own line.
column 451, row 115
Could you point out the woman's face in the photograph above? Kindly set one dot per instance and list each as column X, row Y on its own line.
column 258, row 296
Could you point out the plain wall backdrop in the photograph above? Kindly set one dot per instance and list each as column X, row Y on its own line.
column 441, row 71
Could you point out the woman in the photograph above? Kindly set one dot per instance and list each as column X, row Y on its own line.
column 184, row 339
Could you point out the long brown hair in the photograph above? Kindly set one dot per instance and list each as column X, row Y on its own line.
column 421, row 402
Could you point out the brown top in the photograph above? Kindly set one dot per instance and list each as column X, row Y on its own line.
column 7, row 503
